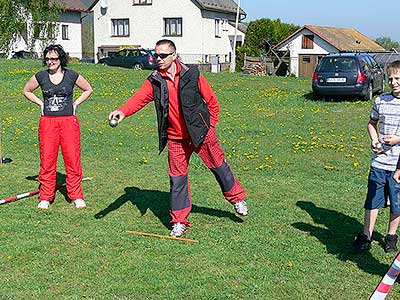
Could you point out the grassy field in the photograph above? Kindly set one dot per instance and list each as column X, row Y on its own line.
column 303, row 163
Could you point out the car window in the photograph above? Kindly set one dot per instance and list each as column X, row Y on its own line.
column 143, row 53
column 337, row 64
column 120, row 53
column 132, row 53
column 374, row 64
column 365, row 64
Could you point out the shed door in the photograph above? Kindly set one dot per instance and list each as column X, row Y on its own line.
column 307, row 64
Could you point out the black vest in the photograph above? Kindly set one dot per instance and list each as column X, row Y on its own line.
column 195, row 111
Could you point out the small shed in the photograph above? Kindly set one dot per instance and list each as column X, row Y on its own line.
column 308, row 44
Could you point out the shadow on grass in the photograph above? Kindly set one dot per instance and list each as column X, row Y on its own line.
column 338, row 236
column 158, row 203
column 60, row 179
column 312, row 97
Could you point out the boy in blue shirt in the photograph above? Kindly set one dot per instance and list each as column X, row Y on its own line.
column 383, row 130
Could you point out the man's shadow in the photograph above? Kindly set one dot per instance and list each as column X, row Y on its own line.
column 60, row 179
column 338, row 235
column 158, row 203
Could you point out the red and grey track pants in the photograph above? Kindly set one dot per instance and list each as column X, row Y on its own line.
column 53, row 133
column 210, row 151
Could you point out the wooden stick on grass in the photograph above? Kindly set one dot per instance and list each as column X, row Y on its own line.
column 163, row 236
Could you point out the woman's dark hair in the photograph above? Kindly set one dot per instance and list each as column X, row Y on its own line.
column 61, row 54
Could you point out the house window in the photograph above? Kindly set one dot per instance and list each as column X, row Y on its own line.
column 307, row 42
column 64, row 32
column 218, row 24
column 225, row 24
column 44, row 31
column 120, row 27
column 142, row 2
column 172, row 26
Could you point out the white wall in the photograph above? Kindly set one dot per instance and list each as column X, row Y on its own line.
column 147, row 27
column 73, row 46
column 321, row 47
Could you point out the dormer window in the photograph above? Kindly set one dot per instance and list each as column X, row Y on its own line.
column 307, row 42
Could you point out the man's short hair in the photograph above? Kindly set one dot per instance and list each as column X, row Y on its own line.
column 394, row 65
column 170, row 43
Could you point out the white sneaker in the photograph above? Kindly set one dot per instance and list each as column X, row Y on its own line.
column 79, row 203
column 43, row 204
column 178, row 229
column 241, row 208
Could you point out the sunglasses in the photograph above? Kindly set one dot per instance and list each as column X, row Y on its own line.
column 51, row 59
column 162, row 55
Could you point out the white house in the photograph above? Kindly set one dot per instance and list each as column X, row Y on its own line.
column 310, row 43
column 67, row 31
column 201, row 30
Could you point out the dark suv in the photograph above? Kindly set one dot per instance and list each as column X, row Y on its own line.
column 355, row 74
column 136, row 58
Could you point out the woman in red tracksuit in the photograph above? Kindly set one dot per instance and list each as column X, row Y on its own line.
column 187, row 112
column 59, row 124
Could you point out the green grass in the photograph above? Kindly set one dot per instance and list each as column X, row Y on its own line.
column 304, row 165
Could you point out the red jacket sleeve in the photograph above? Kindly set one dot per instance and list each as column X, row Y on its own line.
column 138, row 100
column 210, row 98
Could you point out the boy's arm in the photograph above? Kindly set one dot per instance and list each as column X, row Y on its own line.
column 373, row 131
column 373, row 135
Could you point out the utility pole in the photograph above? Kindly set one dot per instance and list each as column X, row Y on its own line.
column 233, row 62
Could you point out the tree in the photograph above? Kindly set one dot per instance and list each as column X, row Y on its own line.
column 387, row 43
column 18, row 17
column 260, row 31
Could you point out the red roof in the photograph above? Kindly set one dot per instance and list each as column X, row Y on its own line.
column 72, row 5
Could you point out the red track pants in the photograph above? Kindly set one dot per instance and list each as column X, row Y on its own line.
column 210, row 151
column 53, row 133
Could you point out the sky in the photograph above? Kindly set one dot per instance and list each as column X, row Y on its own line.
column 372, row 18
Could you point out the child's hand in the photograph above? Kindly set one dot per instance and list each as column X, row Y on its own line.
column 391, row 139
column 396, row 176
column 376, row 147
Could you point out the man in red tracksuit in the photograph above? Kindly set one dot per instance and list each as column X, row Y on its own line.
column 187, row 112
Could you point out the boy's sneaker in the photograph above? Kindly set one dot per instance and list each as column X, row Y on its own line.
column 241, row 208
column 178, row 229
column 79, row 203
column 43, row 204
column 362, row 243
column 390, row 243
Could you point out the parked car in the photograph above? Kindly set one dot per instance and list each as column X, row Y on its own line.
column 25, row 55
column 136, row 59
column 87, row 60
column 355, row 74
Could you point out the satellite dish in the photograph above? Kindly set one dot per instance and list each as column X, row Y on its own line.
column 103, row 3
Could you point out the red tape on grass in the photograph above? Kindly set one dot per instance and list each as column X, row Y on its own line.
column 31, row 193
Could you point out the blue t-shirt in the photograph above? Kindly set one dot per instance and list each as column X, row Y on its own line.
column 58, row 98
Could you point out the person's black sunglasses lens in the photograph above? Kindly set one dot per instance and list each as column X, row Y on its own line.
column 162, row 55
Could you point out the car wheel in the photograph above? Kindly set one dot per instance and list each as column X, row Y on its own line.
column 137, row 67
column 316, row 97
column 368, row 94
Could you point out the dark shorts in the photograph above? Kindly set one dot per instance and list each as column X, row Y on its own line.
column 381, row 188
